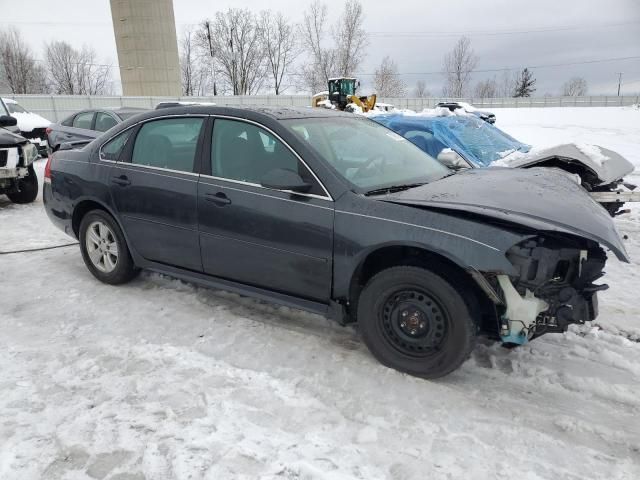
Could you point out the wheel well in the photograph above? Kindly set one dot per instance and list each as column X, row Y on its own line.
column 477, row 301
column 80, row 211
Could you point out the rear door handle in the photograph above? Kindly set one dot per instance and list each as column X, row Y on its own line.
column 122, row 180
column 218, row 198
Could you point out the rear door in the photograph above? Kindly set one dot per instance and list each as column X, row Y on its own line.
column 263, row 237
column 154, row 189
column 80, row 128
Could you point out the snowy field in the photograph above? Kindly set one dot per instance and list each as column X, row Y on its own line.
column 161, row 379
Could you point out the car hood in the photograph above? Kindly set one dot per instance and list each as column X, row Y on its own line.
column 9, row 139
column 537, row 198
column 28, row 121
column 608, row 165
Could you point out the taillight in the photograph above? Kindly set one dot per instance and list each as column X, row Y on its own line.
column 47, row 130
column 47, row 170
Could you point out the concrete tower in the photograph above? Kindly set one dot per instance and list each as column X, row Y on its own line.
column 145, row 32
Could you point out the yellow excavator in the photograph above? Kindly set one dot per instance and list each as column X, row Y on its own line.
column 342, row 96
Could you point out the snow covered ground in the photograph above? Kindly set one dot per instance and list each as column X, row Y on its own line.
column 161, row 379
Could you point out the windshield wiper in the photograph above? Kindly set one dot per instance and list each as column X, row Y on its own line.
column 393, row 188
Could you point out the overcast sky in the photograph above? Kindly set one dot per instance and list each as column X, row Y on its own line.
column 416, row 33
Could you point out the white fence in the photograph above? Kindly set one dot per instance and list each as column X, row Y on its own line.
column 57, row 107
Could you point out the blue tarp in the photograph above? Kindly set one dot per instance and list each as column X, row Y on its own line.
column 476, row 140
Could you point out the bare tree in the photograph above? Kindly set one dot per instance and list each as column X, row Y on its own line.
column 18, row 67
column 507, row 83
column 280, row 44
column 386, row 81
column 193, row 72
column 486, row 88
column 575, row 87
column 420, row 90
column 458, row 65
column 322, row 64
column 236, row 42
column 348, row 41
column 75, row 72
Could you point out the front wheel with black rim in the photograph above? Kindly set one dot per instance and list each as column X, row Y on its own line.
column 416, row 322
column 104, row 249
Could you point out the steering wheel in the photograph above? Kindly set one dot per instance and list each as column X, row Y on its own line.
column 367, row 166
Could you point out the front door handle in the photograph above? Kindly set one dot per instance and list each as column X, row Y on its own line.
column 122, row 180
column 218, row 198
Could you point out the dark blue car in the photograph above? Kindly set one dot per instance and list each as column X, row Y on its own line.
column 479, row 143
column 465, row 141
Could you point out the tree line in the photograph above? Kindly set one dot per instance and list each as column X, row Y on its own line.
column 64, row 69
column 240, row 52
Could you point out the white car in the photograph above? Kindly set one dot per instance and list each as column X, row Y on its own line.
column 31, row 125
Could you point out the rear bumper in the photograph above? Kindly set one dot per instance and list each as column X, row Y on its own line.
column 56, row 212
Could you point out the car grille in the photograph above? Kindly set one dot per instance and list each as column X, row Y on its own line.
column 35, row 133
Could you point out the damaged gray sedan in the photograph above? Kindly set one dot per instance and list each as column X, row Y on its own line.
column 337, row 215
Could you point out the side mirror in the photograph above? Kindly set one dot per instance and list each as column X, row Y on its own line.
column 452, row 159
column 8, row 121
column 283, row 179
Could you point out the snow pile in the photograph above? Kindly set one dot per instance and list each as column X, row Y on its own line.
column 615, row 128
column 28, row 121
column 593, row 152
column 427, row 112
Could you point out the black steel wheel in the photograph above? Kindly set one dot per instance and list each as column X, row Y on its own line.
column 415, row 321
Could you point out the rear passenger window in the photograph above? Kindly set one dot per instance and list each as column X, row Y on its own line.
column 83, row 120
column 245, row 152
column 113, row 148
column 168, row 143
column 104, row 122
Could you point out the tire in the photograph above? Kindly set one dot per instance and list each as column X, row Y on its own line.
column 416, row 322
column 27, row 188
column 99, row 232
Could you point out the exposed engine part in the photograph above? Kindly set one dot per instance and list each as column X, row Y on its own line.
column 554, row 287
column 521, row 314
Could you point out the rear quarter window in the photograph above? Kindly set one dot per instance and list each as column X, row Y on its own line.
column 114, row 147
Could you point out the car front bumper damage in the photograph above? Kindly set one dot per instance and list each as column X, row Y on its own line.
column 554, row 288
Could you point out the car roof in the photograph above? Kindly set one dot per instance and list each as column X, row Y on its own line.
column 274, row 112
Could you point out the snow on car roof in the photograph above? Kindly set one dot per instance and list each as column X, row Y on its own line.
column 427, row 112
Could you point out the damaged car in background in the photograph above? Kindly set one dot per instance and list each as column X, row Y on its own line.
column 18, row 179
column 281, row 204
column 31, row 125
column 460, row 141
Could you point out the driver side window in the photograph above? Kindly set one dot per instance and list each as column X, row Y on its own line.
column 245, row 152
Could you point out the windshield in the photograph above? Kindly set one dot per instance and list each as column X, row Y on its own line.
column 366, row 154
column 477, row 138
column 15, row 108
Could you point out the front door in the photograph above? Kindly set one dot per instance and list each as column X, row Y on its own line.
column 258, row 236
column 154, row 189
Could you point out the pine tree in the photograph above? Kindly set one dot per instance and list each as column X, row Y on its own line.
column 525, row 84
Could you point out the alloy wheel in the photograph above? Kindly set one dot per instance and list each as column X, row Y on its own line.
column 102, row 246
